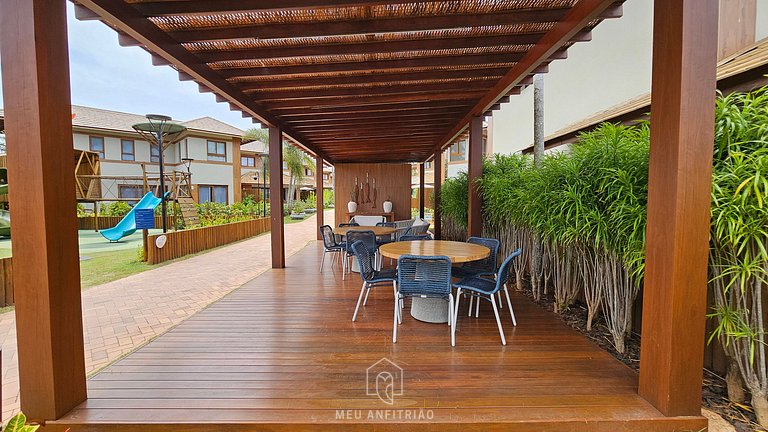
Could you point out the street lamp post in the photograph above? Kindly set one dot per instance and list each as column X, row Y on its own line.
column 158, row 126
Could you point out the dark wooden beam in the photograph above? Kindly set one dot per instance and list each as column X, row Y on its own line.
column 347, row 118
column 447, row 61
column 272, row 81
column 369, row 90
column 422, row 200
column 288, row 113
column 475, row 171
column 46, row 268
column 679, row 187
column 371, row 25
column 128, row 20
column 416, row 44
column 276, row 197
column 373, row 100
column 437, row 163
column 579, row 16
column 192, row 7
column 372, row 123
column 319, row 195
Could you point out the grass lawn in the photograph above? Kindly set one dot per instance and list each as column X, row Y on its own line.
column 103, row 267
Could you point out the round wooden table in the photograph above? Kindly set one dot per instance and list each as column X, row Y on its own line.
column 434, row 310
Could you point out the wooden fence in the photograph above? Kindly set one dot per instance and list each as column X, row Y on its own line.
column 104, row 222
column 6, row 282
column 181, row 243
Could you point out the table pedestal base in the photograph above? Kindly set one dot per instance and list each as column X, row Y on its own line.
column 431, row 310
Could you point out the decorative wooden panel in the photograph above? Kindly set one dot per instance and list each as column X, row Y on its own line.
column 392, row 180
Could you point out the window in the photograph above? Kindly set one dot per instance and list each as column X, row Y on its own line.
column 247, row 161
column 130, row 192
column 307, row 172
column 217, row 151
column 213, row 193
column 96, row 144
column 428, row 165
column 154, row 153
column 459, row 151
column 127, row 150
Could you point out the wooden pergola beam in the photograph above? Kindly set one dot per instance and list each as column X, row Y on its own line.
column 581, row 14
column 486, row 60
column 416, row 44
column 373, row 99
column 422, row 200
column 129, row 21
column 679, row 188
column 365, row 77
column 437, row 163
column 373, row 25
column 46, row 271
column 192, row 7
column 288, row 112
column 277, row 232
column 475, row 171
column 355, row 118
column 319, row 195
column 368, row 90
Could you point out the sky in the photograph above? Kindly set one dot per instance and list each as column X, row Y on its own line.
column 108, row 76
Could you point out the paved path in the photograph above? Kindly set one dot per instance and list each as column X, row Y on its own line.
column 122, row 315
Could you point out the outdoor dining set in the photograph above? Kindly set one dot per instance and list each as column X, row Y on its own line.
column 434, row 274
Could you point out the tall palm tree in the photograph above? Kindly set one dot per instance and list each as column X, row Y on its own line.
column 295, row 160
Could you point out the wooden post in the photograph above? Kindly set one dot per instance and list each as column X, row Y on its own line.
column 475, row 150
column 679, row 185
column 421, row 190
column 319, row 194
column 276, row 196
column 237, row 175
column 46, row 277
column 437, row 161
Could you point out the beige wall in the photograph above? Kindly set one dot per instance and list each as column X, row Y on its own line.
column 392, row 180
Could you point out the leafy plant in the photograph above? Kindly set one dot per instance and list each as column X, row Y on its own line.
column 117, row 208
column 18, row 423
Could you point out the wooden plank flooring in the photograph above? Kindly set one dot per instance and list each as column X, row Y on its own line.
column 282, row 354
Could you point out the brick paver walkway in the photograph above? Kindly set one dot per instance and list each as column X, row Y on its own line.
column 123, row 315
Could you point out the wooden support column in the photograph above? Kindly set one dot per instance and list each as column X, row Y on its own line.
column 679, row 184
column 237, row 178
column 46, row 270
column 437, row 161
column 422, row 197
column 276, row 196
column 319, row 194
column 475, row 150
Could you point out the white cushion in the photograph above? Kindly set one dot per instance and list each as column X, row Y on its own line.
column 419, row 222
column 368, row 220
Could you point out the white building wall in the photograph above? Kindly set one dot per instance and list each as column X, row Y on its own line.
column 613, row 67
column 762, row 20
column 209, row 172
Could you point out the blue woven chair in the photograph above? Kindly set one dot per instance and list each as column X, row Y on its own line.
column 351, row 224
column 423, row 276
column 481, row 268
column 371, row 277
column 415, row 237
column 486, row 289
column 369, row 240
column 330, row 245
column 386, row 239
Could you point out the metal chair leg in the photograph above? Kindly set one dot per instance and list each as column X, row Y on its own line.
column 453, row 327
column 471, row 302
column 359, row 299
column 368, row 291
column 509, row 304
column 455, row 315
column 394, row 320
column 498, row 320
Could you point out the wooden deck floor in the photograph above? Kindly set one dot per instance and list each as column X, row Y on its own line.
column 282, row 353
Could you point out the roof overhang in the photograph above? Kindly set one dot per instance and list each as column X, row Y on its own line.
column 357, row 81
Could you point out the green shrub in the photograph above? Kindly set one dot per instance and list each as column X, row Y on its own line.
column 117, row 208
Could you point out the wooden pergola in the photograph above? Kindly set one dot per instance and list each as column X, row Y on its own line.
column 355, row 81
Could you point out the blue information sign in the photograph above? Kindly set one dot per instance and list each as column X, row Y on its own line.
column 145, row 218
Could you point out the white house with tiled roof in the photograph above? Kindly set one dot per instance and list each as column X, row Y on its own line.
column 214, row 147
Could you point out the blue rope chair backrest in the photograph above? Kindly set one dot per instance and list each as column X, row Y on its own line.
column 364, row 259
column 367, row 237
column 415, row 237
column 351, row 224
column 504, row 269
column 387, row 224
column 329, row 240
column 424, row 275
column 486, row 265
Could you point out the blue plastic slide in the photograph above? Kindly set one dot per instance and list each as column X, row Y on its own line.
column 127, row 225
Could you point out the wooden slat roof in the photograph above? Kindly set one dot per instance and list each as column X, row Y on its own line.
column 357, row 80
